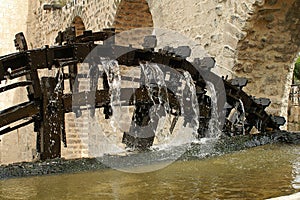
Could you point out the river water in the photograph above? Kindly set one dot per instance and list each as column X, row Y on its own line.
column 257, row 173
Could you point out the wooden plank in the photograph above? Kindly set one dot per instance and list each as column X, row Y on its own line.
column 18, row 112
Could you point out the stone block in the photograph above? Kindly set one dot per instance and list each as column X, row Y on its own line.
column 228, row 51
column 230, row 40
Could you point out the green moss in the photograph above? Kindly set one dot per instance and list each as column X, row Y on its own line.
column 297, row 70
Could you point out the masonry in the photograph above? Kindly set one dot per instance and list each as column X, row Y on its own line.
column 13, row 19
column 256, row 39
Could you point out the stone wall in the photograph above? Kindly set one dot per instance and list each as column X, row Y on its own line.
column 217, row 26
column 17, row 145
column 44, row 25
column 13, row 18
column 222, row 27
column 294, row 113
column 253, row 39
column 266, row 55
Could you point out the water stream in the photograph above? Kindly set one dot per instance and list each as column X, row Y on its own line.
column 214, row 127
column 153, row 76
column 112, row 69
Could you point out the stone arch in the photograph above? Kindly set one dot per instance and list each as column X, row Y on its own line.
column 132, row 14
column 266, row 54
column 79, row 25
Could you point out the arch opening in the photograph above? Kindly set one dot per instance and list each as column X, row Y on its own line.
column 132, row 14
column 79, row 25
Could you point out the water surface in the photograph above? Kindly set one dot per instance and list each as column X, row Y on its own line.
column 257, row 173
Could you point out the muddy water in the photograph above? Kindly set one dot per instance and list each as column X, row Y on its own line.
column 257, row 173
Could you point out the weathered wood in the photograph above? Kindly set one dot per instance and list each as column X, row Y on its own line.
column 18, row 112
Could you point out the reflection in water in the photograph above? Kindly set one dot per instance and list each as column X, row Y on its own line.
column 257, row 173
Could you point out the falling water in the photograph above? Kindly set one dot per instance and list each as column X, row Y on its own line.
column 242, row 117
column 183, row 87
column 214, row 126
column 60, row 79
column 191, row 100
column 103, row 140
column 112, row 70
column 154, row 76
column 53, row 102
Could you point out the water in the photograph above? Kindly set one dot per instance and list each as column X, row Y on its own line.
column 214, row 127
column 154, row 77
column 161, row 121
column 257, row 173
column 242, row 117
column 112, row 69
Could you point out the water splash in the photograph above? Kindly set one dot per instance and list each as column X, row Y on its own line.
column 154, row 79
